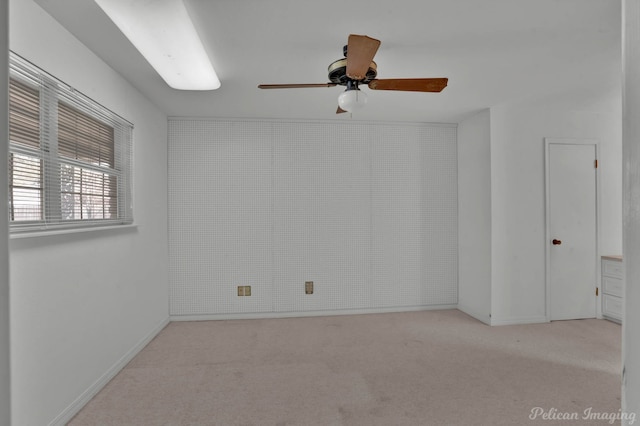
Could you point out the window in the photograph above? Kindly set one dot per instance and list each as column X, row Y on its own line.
column 69, row 158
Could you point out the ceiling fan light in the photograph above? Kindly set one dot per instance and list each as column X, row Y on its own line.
column 352, row 99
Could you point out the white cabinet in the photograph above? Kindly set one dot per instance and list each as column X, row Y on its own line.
column 612, row 285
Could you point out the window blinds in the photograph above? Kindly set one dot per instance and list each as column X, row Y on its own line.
column 25, row 165
column 70, row 158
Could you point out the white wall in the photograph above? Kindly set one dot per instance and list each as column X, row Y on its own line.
column 474, row 216
column 631, row 150
column 5, row 382
column 518, row 191
column 81, row 303
column 502, row 197
column 365, row 210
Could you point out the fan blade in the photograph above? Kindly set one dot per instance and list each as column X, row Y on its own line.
column 410, row 84
column 360, row 52
column 294, row 86
column 340, row 111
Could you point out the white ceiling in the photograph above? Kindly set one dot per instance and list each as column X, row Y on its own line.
column 492, row 51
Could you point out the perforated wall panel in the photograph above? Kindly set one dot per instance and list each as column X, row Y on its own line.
column 367, row 211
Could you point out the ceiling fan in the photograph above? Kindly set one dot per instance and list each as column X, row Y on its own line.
column 357, row 67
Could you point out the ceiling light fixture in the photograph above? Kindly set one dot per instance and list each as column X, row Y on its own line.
column 163, row 33
column 353, row 98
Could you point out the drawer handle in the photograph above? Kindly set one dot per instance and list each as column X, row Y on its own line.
column 556, row 242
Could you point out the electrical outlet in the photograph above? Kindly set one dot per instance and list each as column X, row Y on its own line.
column 244, row 290
column 308, row 287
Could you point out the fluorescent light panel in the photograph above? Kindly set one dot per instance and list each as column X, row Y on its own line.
column 164, row 34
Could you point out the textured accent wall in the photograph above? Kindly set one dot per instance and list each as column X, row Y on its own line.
column 367, row 211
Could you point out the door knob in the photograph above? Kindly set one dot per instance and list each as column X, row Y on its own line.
column 556, row 242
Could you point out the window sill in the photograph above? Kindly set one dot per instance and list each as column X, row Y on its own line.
column 47, row 233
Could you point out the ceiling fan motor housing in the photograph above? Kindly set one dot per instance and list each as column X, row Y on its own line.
column 338, row 72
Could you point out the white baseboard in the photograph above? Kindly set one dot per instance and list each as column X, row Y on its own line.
column 65, row 416
column 266, row 315
column 518, row 320
column 489, row 320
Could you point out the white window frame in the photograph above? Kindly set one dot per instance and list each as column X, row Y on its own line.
column 52, row 91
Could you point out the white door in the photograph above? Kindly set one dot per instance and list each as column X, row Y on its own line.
column 571, row 230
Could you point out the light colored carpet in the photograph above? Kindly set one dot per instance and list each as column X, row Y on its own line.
column 418, row 368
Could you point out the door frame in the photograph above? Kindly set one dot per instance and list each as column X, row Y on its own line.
column 547, row 241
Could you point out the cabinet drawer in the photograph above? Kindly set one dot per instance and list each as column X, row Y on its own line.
column 612, row 286
column 611, row 268
column 612, row 307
